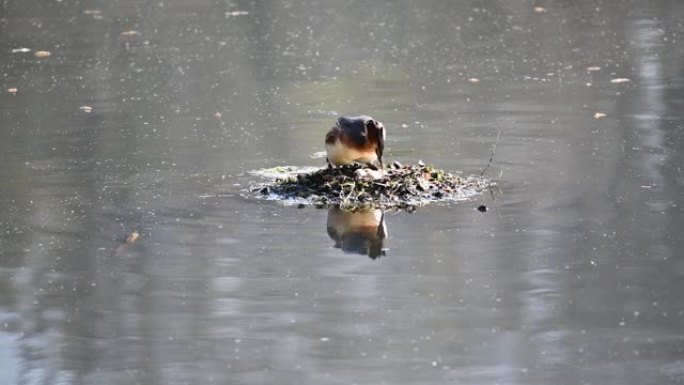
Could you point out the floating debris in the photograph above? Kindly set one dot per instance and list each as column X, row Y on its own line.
column 132, row 237
column 354, row 187
column 217, row 115
column 482, row 208
column 599, row 115
column 86, row 109
column 283, row 172
column 539, row 9
column 96, row 14
column 473, row 80
column 12, row 90
column 318, row 155
column 21, row 50
column 41, row 54
column 236, row 13
column 619, row 80
column 130, row 33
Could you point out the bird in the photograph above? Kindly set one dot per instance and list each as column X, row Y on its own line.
column 360, row 232
column 355, row 139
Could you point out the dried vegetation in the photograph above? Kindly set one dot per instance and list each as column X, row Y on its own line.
column 402, row 186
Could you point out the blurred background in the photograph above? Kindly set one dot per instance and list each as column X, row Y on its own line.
column 148, row 116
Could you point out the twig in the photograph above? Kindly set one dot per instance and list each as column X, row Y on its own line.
column 491, row 157
column 351, row 191
column 491, row 191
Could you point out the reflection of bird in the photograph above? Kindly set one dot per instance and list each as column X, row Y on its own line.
column 361, row 232
column 357, row 139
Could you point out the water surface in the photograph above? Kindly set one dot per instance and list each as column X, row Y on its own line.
column 572, row 276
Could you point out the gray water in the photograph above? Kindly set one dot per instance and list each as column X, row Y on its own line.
column 574, row 275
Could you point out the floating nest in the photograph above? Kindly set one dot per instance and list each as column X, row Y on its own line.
column 401, row 186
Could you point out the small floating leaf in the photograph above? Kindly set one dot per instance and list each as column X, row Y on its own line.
column 619, row 80
column 236, row 13
column 132, row 237
column 130, row 33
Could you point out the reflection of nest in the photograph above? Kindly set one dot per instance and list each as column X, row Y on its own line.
column 400, row 187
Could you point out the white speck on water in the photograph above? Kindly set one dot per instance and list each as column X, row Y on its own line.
column 619, row 80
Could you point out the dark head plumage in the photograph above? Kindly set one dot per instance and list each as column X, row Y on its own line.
column 359, row 139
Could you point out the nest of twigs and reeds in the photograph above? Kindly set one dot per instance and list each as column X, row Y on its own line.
column 401, row 186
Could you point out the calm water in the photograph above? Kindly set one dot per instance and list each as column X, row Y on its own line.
column 575, row 275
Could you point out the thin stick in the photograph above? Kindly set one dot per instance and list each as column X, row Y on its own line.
column 491, row 158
